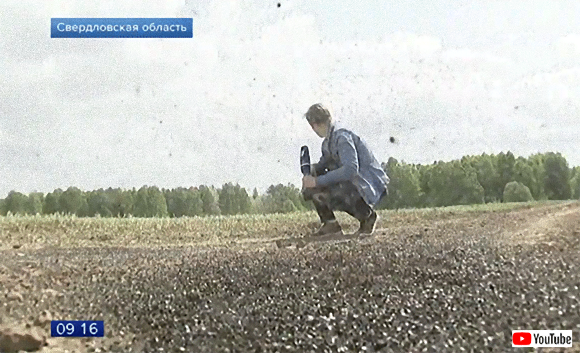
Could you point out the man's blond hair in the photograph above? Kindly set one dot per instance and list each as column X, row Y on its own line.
column 318, row 113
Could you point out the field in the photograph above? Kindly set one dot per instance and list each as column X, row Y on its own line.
column 455, row 279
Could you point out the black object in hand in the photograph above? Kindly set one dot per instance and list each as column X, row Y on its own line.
column 304, row 160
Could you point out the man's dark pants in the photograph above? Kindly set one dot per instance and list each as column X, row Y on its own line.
column 343, row 196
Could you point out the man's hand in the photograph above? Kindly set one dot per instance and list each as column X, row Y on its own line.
column 313, row 169
column 308, row 181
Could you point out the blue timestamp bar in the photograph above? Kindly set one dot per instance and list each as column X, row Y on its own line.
column 77, row 328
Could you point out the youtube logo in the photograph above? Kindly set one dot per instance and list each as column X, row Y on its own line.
column 542, row 338
column 522, row 338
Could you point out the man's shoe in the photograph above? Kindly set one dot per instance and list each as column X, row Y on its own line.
column 329, row 228
column 367, row 226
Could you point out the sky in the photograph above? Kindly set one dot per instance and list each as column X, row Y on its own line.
column 445, row 78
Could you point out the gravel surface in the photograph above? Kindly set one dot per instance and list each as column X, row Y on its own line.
column 457, row 285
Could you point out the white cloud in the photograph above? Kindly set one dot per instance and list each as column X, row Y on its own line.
column 415, row 46
column 569, row 45
column 227, row 105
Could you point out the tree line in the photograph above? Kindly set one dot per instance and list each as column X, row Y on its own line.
column 481, row 179
column 151, row 201
column 471, row 180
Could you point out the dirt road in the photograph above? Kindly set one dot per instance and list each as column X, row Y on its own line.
column 456, row 284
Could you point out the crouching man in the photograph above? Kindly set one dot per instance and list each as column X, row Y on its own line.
column 347, row 178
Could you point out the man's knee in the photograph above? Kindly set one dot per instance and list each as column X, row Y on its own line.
column 309, row 193
column 315, row 196
column 320, row 198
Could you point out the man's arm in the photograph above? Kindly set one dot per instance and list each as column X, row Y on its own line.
column 349, row 160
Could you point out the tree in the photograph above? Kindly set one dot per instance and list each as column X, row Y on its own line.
column 142, row 203
column 524, row 174
column 150, row 202
column 557, row 179
column 99, row 203
column 516, row 192
column 425, row 172
column 536, row 162
column 35, row 200
column 453, row 184
column 575, row 184
column 195, row 204
column 404, row 189
column 575, row 171
column 157, row 203
column 255, row 194
column 209, row 199
column 487, row 176
column 233, row 199
column 52, row 202
column 184, row 202
column 227, row 200
column 16, row 203
column 73, row 201
column 391, row 163
column 176, row 202
column 276, row 196
column 244, row 201
column 288, row 206
column 504, row 163
column 258, row 205
column 121, row 201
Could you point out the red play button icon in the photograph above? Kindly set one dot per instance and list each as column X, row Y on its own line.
column 522, row 338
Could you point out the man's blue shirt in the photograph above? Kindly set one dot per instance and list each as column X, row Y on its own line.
column 347, row 157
